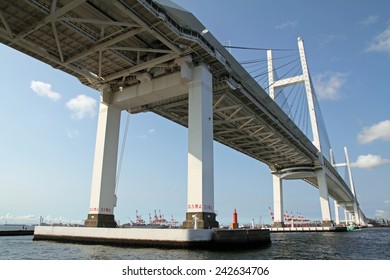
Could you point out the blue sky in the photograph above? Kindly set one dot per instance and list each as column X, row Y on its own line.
column 48, row 121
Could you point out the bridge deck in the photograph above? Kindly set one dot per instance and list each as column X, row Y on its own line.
column 120, row 42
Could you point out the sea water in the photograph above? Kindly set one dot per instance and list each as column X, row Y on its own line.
column 363, row 244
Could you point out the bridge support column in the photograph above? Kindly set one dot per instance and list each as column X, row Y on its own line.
column 200, row 197
column 324, row 198
column 356, row 212
column 278, row 201
column 346, row 215
column 103, row 199
column 337, row 212
column 361, row 219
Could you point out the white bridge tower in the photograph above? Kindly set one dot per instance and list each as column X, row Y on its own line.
column 319, row 172
column 357, row 216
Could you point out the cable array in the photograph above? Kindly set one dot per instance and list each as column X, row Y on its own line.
column 291, row 99
column 324, row 137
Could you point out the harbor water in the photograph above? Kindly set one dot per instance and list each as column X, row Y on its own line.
column 362, row 244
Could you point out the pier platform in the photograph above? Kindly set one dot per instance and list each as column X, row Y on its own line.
column 308, row 229
column 214, row 239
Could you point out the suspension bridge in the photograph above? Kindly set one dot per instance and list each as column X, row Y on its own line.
column 154, row 56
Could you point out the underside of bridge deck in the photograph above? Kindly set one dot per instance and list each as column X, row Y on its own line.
column 123, row 47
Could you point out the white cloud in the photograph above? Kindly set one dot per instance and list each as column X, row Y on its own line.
column 370, row 161
column 146, row 135
column 9, row 218
column 382, row 214
column 379, row 212
column 72, row 133
column 379, row 131
column 380, row 43
column 369, row 20
column 32, row 219
column 328, row 85
column 387, row 201
column 324, row 39
column 82, row 106
column 287, row 24
column 44, row 89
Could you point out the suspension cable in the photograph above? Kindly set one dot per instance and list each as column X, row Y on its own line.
column 118, row 172
column 265, row 60
column 285, row 73
column 292, row 77
column 288, row 63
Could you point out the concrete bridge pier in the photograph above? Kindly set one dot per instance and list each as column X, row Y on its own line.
column 197, row 81
column 356, row 213
column 347, row 217
column 103, row 199
column 324, row 198
column 337, row 212
column 200, row 196
column 299, row 173
column 278, row 201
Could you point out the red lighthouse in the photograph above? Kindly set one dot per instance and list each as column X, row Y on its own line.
column 234, row 225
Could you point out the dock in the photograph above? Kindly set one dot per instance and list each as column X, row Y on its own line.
column 211, row 239
column 16, row 232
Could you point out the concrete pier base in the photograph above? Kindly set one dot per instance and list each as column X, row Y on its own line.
column 100, row 220
column 278, row 225
column 213, row 239
column 205, row 220
column 327, row 223
column 240, row 238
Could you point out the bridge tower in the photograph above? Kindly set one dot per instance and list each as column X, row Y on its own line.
column 356, row 215
column 320, row 173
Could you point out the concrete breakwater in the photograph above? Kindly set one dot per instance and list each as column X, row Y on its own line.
column 220, row 239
